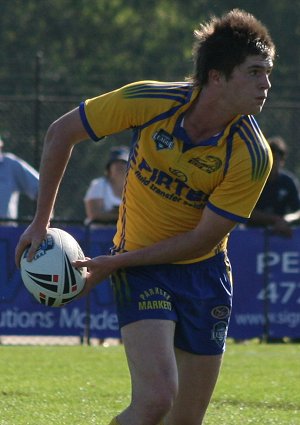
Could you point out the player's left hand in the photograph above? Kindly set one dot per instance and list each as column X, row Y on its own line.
column 32, row 237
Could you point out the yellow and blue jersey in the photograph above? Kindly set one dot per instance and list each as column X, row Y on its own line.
column 170, row 179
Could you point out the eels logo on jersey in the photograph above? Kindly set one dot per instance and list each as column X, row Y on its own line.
column 209, row 164
column 179, row 174
column 163, row 140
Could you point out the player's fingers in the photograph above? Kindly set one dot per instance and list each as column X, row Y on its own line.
column 32, row 246
column 81, row 263
column 32, row 250
column 20, row 248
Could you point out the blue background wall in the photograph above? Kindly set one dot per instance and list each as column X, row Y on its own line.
column 266, row 272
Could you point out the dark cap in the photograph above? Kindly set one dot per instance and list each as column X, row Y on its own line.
column 120, row 153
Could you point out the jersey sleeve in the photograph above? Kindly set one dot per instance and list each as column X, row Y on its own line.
column 247, row 172
column 130, row 106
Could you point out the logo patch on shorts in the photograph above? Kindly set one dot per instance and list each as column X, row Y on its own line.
column 219, row 333
column 155, row 299
column 220, row 312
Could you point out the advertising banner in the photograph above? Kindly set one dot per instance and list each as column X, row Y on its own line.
column 266, row 271
column 21, row 314
column 266, row 276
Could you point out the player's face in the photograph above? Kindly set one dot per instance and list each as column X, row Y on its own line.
column 117, row 170
column 247, row 88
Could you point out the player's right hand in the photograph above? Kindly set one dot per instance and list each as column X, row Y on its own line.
column 99, row 268
column 31, row 237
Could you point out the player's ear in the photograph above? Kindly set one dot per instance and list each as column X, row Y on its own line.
column 215, row 76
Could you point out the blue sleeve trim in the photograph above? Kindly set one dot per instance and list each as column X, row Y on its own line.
column 86, row 124
column 226, row 214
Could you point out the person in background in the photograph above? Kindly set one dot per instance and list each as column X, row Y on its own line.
column 197, row 166
column 279, row 204
column 103, row 197
column 16, row 177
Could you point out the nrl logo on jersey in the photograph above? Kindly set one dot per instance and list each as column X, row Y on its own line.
column 163, row 140
column 209, row 163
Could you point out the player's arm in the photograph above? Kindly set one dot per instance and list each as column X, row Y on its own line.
column 60, row 139
column 210, row 231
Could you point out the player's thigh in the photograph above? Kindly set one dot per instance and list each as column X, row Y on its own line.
column 149, row 347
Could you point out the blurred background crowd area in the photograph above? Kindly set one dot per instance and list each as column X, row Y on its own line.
column 56, row 54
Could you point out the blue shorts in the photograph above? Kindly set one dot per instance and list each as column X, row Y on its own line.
column 197, row 296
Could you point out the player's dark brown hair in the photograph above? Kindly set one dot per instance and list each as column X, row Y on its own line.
column 224, row 43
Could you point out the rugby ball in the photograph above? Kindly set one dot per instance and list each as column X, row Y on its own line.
column 50, row 276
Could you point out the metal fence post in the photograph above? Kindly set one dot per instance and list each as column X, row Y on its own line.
column 37, row 108
column 87, row 329
column 266, row 328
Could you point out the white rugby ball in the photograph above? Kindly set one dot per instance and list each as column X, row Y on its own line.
column 50, row 276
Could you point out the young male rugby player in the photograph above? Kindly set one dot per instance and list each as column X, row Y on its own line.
column 197, row 166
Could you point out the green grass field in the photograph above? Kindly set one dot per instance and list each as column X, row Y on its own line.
column 259, row 385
